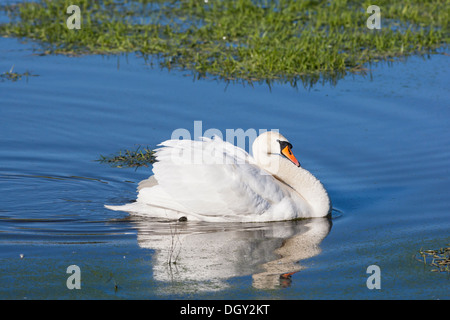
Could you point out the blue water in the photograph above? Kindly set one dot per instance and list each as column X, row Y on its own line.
column 378, row 143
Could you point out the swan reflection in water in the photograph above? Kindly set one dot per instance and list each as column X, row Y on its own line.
column 205, row 255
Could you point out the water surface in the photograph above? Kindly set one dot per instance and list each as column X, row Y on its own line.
column 379, row 144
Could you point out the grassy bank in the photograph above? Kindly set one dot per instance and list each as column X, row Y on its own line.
column 249, row 40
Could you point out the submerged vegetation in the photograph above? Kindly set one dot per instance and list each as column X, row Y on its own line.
column 243, row 40
column 439, row 259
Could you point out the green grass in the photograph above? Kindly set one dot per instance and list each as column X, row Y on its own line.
column 238, row 40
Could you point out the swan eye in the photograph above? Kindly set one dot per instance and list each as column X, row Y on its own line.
column 284, row 144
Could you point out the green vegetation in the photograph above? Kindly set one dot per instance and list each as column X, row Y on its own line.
column 141, row 157
column 242, row 40
column 14, row 76
column 439, row 259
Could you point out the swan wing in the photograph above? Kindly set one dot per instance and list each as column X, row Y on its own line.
column 211, row 177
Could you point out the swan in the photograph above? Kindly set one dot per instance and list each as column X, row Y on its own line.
column 213, row 180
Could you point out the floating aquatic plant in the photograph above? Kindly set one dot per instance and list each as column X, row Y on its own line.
column 439, row 259
column 141, row 157
column 238, row 40
column 14, row 76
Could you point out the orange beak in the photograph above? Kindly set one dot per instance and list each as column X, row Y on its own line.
column 288, row 154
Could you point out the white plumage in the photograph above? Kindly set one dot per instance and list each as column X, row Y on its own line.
column 212, row 180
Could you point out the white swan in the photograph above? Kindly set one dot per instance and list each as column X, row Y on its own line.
column 212, row 180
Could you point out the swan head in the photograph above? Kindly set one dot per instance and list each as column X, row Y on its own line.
column 271, row 149
column 273, row 153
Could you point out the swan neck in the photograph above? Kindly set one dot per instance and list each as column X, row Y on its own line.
column 306, row 185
